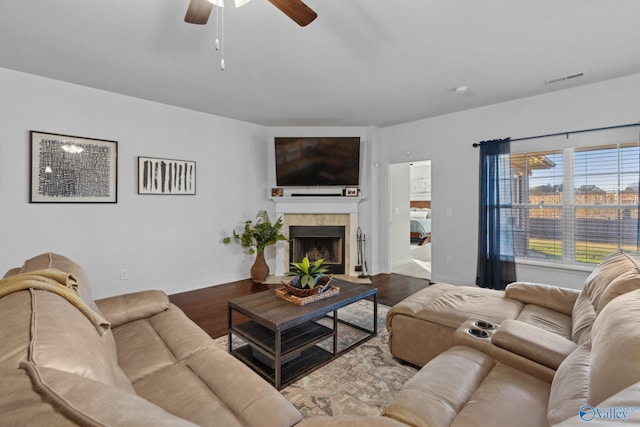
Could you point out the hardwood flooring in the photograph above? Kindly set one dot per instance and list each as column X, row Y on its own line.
column 207, row 307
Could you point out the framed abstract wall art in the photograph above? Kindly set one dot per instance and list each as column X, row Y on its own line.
column 166, row 176
column 73, row 169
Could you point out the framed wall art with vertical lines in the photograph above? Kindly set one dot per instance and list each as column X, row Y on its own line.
column 166, row 176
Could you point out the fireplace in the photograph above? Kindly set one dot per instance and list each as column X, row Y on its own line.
column 318, row 241
column 319, row 212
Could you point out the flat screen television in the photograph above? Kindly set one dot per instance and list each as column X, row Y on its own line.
column 330, row 161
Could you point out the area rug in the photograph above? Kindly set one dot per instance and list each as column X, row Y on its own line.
column 360, row 382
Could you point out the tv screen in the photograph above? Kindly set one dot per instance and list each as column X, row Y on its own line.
column 317, row 161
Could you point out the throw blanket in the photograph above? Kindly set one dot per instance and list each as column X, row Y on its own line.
column 58, row 282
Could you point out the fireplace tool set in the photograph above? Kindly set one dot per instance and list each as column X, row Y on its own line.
column 361, row 266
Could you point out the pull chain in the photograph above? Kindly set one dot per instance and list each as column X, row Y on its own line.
column 217, row 29
column 222, row 37
column 219, row 17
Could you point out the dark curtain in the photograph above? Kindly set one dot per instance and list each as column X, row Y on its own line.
column 496, row 266
column 638, row 212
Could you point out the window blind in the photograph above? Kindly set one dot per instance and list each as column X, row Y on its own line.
column 576, row 204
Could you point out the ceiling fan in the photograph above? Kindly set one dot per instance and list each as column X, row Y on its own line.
column 199, row 10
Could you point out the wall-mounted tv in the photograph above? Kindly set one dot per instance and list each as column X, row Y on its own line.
column 317, row 161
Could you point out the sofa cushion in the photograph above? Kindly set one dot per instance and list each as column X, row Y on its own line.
column 63, row 338
column 506, row 397
column 437, row 393
column 547, row 319
column 533, row 343
column 451, row 305
column 152, row 344
column 85, row 402
column 21, row 405
column 423, row 325
column 62, row 263
column 552, row 297
column 617, row 274
column 181, row 392
column 121, row 309
column 615, row 348
column 174, row 364
column 570, row 386
column 15, row 333
column 52, row 260
column 349, row 421
column 625, row 411
column 602, row 366
column 466, row 387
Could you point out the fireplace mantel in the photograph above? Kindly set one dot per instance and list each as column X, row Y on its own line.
column 317, row 204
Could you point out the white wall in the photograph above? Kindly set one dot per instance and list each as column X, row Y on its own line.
column 446, row 140
column 166, row 242
column 399, row 225
column 173, row 242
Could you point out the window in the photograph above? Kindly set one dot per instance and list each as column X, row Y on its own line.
column 576, row 204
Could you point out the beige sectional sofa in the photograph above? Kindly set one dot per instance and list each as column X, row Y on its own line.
column 432, row 320
column 130, row 360
column 554, row 356
column 467, row 387
column 136, row 360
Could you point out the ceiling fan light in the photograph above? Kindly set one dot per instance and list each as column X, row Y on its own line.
column 219, row 3
column 241, row 2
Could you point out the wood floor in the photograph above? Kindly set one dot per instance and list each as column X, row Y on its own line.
column 208, row 306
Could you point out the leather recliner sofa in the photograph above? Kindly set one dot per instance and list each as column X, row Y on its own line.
column 526, row 373
column 596, row 384
column 129, row 360
column 431, row 321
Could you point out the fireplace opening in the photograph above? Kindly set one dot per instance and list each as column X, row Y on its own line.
column 318, row 242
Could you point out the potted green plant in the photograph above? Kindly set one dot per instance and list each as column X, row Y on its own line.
column 310, row 278
column 256, row 236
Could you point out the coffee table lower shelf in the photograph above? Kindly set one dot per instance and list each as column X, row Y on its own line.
column 282, row 342
column 309, row 360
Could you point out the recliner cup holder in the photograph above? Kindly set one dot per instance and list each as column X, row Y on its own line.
column 478, row 333
column 484, row 325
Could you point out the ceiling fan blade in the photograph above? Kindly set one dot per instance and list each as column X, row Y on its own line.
column 295, row 9
column 198, row 12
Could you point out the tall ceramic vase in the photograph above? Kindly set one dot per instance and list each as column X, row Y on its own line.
column 259, row 269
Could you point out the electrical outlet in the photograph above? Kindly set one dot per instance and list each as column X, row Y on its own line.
column 124, row 274
column 449, row 260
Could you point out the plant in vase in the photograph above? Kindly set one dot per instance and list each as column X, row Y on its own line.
column 256, row 236
column 309, row 277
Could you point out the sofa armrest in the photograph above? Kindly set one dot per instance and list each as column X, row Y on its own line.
column 551, row 297
column 126, row 308
column 533, row 343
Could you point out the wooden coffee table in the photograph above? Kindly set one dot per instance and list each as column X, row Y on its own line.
column 282, row 337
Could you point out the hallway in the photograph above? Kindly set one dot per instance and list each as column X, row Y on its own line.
column 420, row 264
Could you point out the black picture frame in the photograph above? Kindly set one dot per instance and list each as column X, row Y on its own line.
column 166, row 176
column 72, row 169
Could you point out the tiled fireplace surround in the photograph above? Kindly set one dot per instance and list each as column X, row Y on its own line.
column 325, row 211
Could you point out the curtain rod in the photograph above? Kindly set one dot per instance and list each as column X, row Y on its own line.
column 477, row 144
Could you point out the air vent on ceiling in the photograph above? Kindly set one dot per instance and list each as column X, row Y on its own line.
column 564, row 78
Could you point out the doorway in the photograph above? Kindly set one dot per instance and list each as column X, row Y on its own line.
column 410, row 224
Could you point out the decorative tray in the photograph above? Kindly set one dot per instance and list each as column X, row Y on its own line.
column 282, row 293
